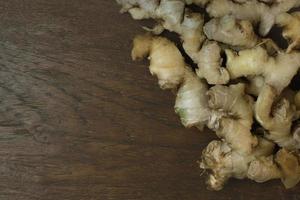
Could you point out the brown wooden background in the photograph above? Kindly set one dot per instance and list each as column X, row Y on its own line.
column 80, row 121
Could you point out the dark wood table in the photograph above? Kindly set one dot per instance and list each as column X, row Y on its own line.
column 80, row 121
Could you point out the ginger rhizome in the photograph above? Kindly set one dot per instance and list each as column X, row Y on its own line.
column 291, row 28
column 277, row 118
column 239, row 87
column 209, row 64
column 167, row 64
column 253, row 11
column 277, row 71
column 231, row 31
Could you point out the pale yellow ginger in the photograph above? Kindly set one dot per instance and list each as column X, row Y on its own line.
column 254, row 11
column 228, row 109
column 291, row 28
column 232, row 100
column 209, row 64
column 167, row 63
column 223, row 163
column 285, row 166
column 191, row 33
column 256, row 83
column 237, row 135
column 231, row 31
column 277, row 118
column 173, row 16
column 290, row 169
column 277, row 71
column 263, row 169
column 191, row 101
column 235, row 124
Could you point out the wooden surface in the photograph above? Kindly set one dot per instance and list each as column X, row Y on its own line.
column 80, row 121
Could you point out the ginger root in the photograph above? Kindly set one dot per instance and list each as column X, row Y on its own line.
column 260, row 166
column 235, row 124
column 245, row 149
column 229, row 30
column 209, row 64
column 254, row 11
column 191, row 101
column 167, row 63
column 277, row 119
column 173, row 16
column 277, row 71
column 223, row 162
column 291, row 28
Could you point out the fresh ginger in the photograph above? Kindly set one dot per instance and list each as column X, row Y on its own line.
column 232, row 100
column 223, row 163
column 189, row 26
column 285, row 166
column 209, row 64
column 277, row 71
column 256, row 83
column 277, row 118
column 167, row 63
column 254, row 11
column 191, row 101
column 235, row 124
column 232, row 31
column 203, row 99
column 173, row 16
column 291, row 28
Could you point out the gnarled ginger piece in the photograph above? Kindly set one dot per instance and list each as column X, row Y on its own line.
column 277, row 71
column 223, row 162
column 253, row 11
column 291, row 29
column 166, row 61
column 231, row 31
column 209, row 64
column 277, row 119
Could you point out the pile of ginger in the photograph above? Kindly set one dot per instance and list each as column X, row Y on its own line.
column 241, row 87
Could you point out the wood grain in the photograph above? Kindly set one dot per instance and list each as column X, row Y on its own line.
column 80, row 121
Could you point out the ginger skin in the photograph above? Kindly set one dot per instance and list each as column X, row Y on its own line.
column 254, row 11
column 224, row 163
column 229, row 30
column 209, row 64
column 255, row 85
column 173, row 16
column 167, row 63
column 236, row 123
column 291, row 29
column 228, row 109
column 277, row 119
column 277, row 71
column 191, row 101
